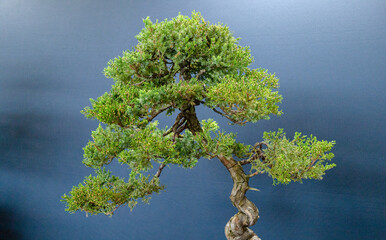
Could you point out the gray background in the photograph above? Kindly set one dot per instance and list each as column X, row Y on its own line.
column 330, row 56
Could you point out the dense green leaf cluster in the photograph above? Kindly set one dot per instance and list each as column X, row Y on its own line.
column 127, row 105
column 301, row 158
column 106, row 145
column 138, row 147
column 150, row 144
column 104, row 193
column 191, row 45
column 215, row 143
column 246, row 97
column 112, row 107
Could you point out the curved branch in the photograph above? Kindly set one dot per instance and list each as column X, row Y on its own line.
column 228, row 117
column 253, row 174
column 155, row 114
column 159, row 171
column 260, row 145
column 257, row 154
column 181, row 128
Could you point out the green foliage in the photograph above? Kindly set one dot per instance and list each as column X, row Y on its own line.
column 126, row 105
column 215, row 143
column 138, row 147
column 177, row 66
column 149, row 144
column 104, row 193
column 246, row 97
column 301, row 158
column 190, row 43
column 106, row 145
column 182, row 63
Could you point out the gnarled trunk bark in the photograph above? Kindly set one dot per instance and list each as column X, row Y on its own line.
column 237, row 226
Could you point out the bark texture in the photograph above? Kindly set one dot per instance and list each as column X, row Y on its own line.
column 237, row 226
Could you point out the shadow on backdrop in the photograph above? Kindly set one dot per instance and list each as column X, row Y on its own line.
column 10, row 224
column 26, row 140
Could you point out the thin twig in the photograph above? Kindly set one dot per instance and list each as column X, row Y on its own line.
column 252, row 174
column 228, row 117
column 140, row 83
column 167, row 132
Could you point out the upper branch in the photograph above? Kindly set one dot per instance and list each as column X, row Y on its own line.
column 154, row 113
column 228, row 117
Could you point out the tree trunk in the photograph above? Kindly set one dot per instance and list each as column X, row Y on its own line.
column 193, row 124
column 237, row 226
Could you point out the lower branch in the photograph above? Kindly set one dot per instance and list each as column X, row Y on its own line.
column 159, row 171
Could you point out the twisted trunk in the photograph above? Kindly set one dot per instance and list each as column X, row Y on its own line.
column 237, row 226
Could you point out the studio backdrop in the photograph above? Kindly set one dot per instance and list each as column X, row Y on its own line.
column 329, row 55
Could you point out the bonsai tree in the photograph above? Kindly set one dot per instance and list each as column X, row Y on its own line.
column 176, row 67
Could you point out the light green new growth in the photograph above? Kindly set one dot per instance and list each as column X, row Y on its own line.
column 104, row 193
column 177, row 66
column 293, row 160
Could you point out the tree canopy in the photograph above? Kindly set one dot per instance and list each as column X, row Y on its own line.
column 177, row 66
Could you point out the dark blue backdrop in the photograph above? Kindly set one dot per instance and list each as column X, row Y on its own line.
column 330, row 56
